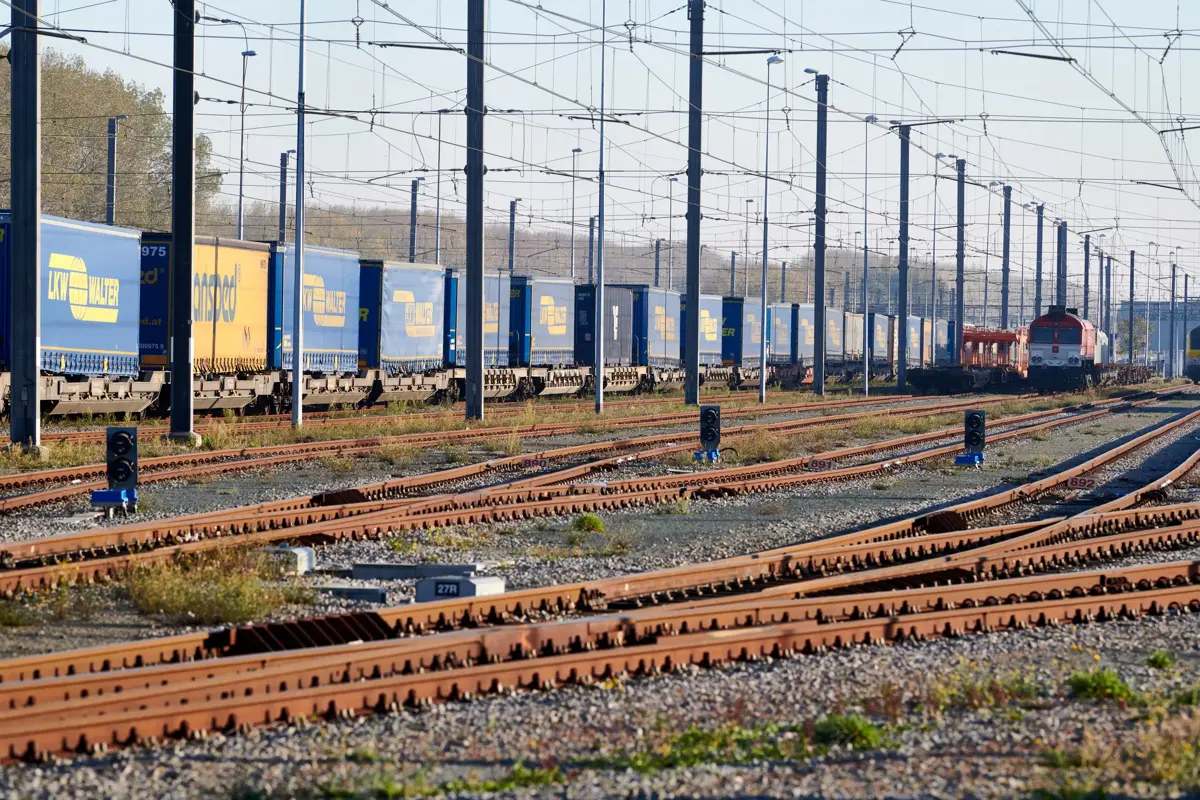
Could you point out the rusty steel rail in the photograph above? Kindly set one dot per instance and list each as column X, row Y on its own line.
column 327, row 418
column 236, row 703
column 298, row 511
column 471, row 508
column 429, row 617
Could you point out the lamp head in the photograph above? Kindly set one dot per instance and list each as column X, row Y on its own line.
column 939, row 155
column 995, row 183
column 811, row 71
column 775, row 59
column 248, row 53
column 871, row 118
column 576, row 149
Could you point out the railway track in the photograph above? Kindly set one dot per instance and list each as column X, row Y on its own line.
column 82, row 480
column 323, row 419
column 389, row 508
column 775, row 603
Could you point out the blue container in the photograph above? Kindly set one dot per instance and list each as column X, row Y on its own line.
column 710, row 329
column 916, row 325
column 495, row 318
column 881, row 338
column 619, row 326
column 783, row 334
column 90, row 276
column 656, row 329
column 329, row 305
column 400, row 319
column 806, row 335
column 541, row 322
column 741, row 332
column 835, row 327
column 942, row 350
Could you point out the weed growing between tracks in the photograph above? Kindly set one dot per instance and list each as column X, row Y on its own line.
column 221, row 587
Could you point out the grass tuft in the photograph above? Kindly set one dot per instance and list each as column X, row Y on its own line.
column 854, row 731
column 1161, row 659
column 588, row 522
column 1101, row 684
column 221, row 587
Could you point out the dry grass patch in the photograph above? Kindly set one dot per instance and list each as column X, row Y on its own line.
column 221, row 587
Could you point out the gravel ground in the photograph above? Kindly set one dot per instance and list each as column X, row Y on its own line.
column 547, row 552
column 943, row 731
column 927, row 750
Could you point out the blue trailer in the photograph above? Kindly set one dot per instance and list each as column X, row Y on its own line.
column 495, row 319
column 329, row 304
column 655, row 326
column 401, row 326
column 710, row 329
column 619, row 326
column 91, row 287
column 741, row 333
column 783, row 333
column 916, row 327
column 881, row 337
column 541, row 325
column 835, row 328
column 806, row 334
column 943, row 352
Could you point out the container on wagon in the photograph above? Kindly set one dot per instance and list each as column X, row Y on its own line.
column 90, row 297
column 943, row 352
column 852, row 341
column 231, row 282
column 881, row 337
column 710, row 329
column 541, row 322
column 916, row 326
column 401, row 327
column 329, row 309
column 806, row 334
column 495, row 318
column 619, row 326
column 927, row 349
column 741, row 331
column 655, row 326
column 834, row 329
column 783, row 333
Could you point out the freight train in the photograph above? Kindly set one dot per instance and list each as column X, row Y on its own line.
column 380, row 331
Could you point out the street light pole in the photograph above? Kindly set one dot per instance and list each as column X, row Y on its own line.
column 746, row 253
column 297, row 299
column 110, row 200
column 437, row 207
column 575, row 151
column 512, row 233
column 671, row 229
column 866, row 341
column 762, row 321
column 247, row 54
column 412, row 222
column 283, row 166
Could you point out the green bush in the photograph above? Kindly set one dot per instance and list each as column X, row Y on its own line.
column 588, row 522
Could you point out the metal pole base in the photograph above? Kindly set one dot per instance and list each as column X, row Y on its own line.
column 190, row 438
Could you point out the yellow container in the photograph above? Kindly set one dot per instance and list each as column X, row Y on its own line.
column 229, row 305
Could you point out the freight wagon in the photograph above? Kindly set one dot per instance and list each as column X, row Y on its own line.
column 402, row 334
column 806, row 334
column 834, row 327
column 711, row 368
column 741, row 338
column 329, row 303
column 916, row 327
column 233, row 342
column 656, row 335
column 498, row 380
column 89, row 276
column 542, row 336
column 852, row 342
column 881, row 337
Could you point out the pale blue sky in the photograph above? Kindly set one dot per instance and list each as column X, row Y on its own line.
column 1033, row 138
